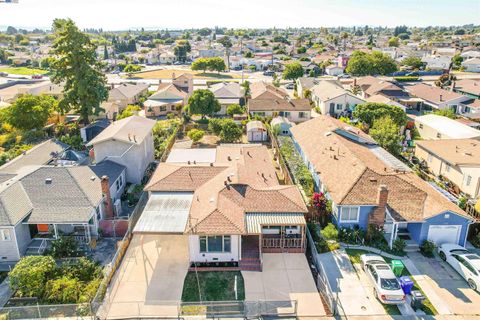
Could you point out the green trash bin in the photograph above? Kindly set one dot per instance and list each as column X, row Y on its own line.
column 397, row 267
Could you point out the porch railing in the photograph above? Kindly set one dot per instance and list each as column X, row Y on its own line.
column 282, row 242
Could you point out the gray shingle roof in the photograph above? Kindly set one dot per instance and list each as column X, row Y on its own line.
column 14, row 205
column 108, row 168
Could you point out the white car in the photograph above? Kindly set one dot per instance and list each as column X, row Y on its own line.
column 466, row 263
column 386, row 285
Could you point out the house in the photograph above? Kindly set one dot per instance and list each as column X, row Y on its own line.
column 128, row 142
column 333, row 99
column 470, row 54
column 334, row 70
column 471, row 65
column 283, row 125
column 268, row 101
column 256, row 131
column 435, row 127
column 44, row 202
column 121, row 96
column 437, row 98
column 232, row 210
column 367, row 185
column 467, row 87
column 438, row 62
column 170, row 97
column 457, row 160
column 304, row 84
column 228, row 93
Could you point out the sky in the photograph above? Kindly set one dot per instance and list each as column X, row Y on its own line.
column 184, row 14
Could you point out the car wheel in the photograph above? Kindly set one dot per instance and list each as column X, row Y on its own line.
column 442, row 256
column 472, row 284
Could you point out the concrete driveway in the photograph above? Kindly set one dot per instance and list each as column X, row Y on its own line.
column 150, row 278
column 353, row 290
column 285, row 277
column 447, row 284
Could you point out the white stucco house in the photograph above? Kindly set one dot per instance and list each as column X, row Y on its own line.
column 333, row 99
column 128, row 142
column 472, row 65
column 333, row 70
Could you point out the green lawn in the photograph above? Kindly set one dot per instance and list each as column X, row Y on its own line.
column 428, row 308
column 24, row 71
column 214, row 286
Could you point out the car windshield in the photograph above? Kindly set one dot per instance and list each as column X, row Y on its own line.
column 389, row 284
column 459, row 251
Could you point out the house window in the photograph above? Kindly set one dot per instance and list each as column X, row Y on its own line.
column 5, row 235
column 287, row 114
column 172, row 108
column 339, row 106
column 429, row 158
column 468, row 180
column 302, row 114
column 447, row 167
column 163, row 108
column 215, row 244
column 349, row 214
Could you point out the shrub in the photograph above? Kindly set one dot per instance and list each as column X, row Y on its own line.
column 215, row 126
column 30, row 274
column 62, row 290
column 196, row 135
column 351, row 235
column 427, row 248
column 330, row 232
column 89, row 291
column 64, row 247
column 313, row 228
column 406, row 78
column 83, row 269
column 398, row 246
column 231, row 132
column 235, row 109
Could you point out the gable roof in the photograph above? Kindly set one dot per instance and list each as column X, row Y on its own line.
column 227, row 90
column 241, row 180
column 168, row 91
column 127, row 91
column 329, row 89
column 263, row 90
column 454, row 151
column 433, row 94
column 131, row 130
column 279, row 105
column 332, row 147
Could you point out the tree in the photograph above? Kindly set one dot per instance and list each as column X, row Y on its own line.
column 457, row 60
column 445, row 80
column 132, row 68
column 386, row 133
column 105, row 53
column 449, row 113
column 413, row 62
column 30, row 112
column 129, row 111
column 363, row 64
column 227, row 44
column 235, row 109
column 200, row 64
column 248, row 54
column 77, row 68
column 293, row 71
column 393, row 42
column 196, row 135
column 231, row 132
column 181, row 50
column 301, row 50
column 216, row 64
column 203, row 102
column 215, row 126
column 29, row 275
column 371, row 111
column 246, row 87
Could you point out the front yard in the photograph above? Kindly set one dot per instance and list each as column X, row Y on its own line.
column 23, row 71
column 428, row 308
column 214, row 286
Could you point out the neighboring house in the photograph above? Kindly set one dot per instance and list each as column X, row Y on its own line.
column 268, row 101
column 435, row 127
column 437, row 62
column 228, row 93
column 170, row 97
column 43, row 203
column 467, row 87
column 128, row 142
column 333, row 99
column 458, row 160
column 367, row 185
column 120, row 97
column 472, row 65
column 304, row 84
column 437, row 98
column 334, row 70
column 93, row 129
column 283, row 125
column 256, row 131
column 232, row 210
column 470, row 54
column 210, row 53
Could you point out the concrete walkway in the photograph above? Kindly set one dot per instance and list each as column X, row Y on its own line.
column 354, row 291
column 5, row 292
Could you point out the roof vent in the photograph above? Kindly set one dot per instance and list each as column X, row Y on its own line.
column 211, row 164
column 92, row 178
column 372, row 179
column 48, row 181
column 229, row 158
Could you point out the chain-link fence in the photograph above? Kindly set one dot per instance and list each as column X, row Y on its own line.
column 47, row 311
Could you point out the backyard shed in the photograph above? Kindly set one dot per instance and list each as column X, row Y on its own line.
column 256, row 131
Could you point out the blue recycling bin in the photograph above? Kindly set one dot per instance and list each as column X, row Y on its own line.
column 406, row 283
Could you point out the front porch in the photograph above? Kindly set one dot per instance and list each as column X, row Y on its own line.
column 399, row 230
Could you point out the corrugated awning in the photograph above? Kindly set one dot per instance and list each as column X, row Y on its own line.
column 255, row 221
column 165, row 212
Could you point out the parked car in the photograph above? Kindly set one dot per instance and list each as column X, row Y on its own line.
column 344, row 76
column 466, row 263
column 37, row 76
column 3, row 74
column 269, row 73
column 237, row 68
column 413, row 74
column 290, row 86
column 386, row 285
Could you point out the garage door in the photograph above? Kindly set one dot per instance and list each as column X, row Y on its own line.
column 444, row 234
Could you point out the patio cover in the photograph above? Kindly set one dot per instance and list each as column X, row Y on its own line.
column 165, row 212
column 255, row 221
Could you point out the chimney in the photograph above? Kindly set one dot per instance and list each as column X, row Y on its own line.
column 108, row 199
column 453, row 86
column 441, row 97
column 354, row 82
column 378, row 216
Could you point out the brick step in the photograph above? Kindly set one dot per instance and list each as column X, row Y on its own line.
column 252, row 257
